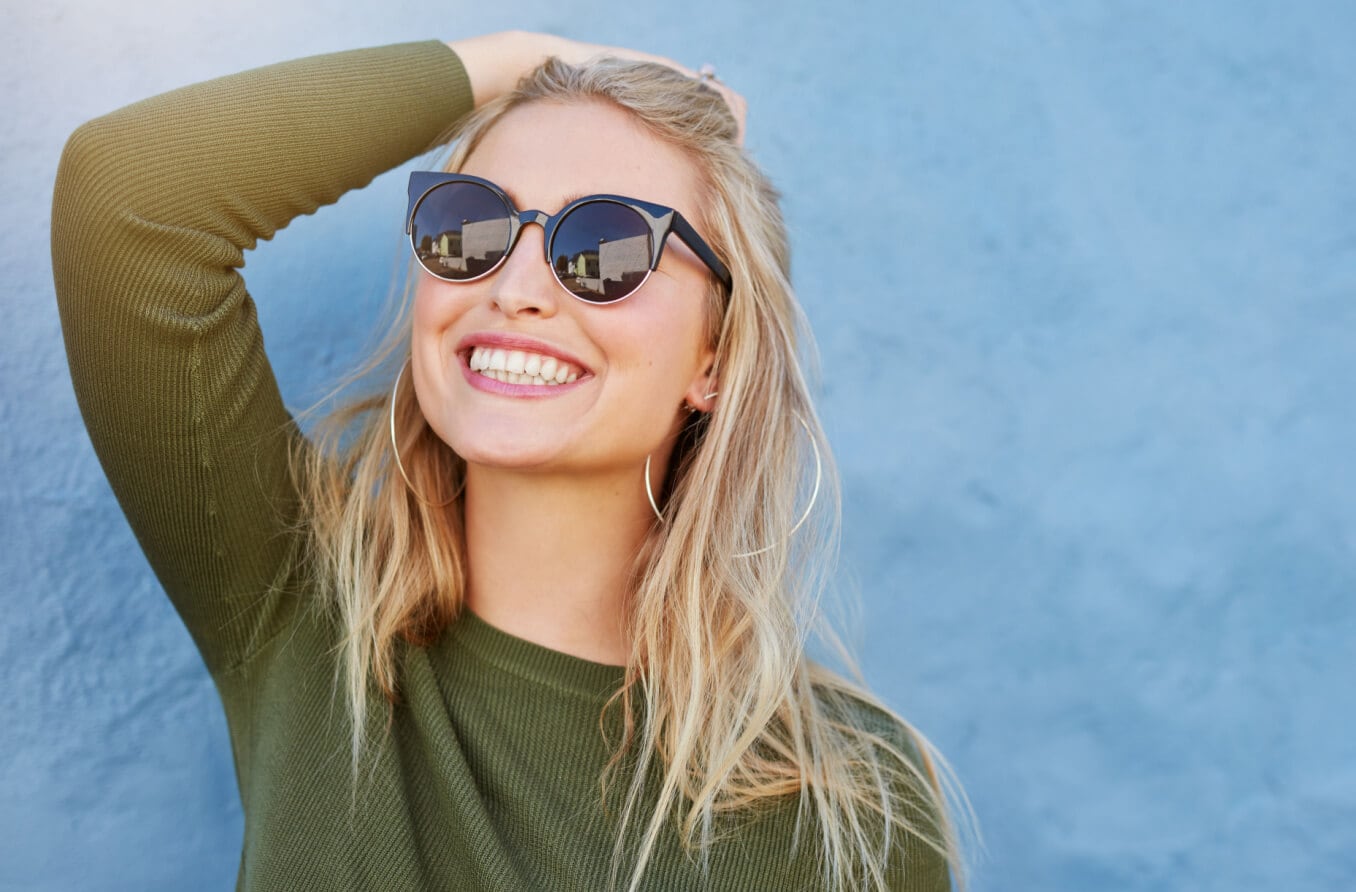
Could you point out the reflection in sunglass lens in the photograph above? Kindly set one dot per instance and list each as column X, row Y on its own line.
column 460, row 230
column 601, row 251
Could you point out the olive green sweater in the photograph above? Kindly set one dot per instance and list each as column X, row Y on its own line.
column 488, row 778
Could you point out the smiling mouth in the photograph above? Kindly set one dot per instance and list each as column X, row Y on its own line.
column 521, row 367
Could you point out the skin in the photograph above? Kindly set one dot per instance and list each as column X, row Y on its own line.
column 555, row 503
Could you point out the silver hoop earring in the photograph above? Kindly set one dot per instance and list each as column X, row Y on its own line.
column 395, row 450
column 805, row 515
column 690, row 408
column 649, row 492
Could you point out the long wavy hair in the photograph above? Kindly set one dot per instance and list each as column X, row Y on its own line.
column 720, row 699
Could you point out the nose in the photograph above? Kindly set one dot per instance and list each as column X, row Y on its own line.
column 524, row 285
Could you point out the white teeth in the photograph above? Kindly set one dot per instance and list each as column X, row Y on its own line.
column 521, row 367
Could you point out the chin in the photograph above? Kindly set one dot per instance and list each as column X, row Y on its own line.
column 508, row 449
column 519, row 459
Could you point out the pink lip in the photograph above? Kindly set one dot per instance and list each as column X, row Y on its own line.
column 504, row 341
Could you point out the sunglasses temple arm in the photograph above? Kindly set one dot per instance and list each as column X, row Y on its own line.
column 684, row 231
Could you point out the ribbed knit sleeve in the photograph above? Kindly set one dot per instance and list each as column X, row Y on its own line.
column 153, row 208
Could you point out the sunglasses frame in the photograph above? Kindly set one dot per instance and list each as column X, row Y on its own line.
column 661, row 220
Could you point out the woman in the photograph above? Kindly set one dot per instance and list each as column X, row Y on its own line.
column 562, row 570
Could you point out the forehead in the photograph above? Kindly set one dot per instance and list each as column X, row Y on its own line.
column 545, row 154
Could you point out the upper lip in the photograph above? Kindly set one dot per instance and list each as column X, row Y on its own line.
column 509, row 341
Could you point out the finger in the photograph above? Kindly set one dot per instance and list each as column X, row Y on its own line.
column 739, row 107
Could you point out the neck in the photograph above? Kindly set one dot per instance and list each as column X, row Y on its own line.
column 551, row 557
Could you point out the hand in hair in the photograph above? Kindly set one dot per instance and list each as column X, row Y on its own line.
column 495, row 62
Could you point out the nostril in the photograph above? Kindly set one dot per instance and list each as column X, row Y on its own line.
column 518, row 306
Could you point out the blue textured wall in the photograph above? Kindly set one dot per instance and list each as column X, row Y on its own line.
column 1089, row 356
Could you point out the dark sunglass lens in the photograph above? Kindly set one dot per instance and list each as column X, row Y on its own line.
column 460, row 230
column 601, row 251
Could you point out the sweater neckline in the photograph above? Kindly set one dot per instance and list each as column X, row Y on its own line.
column 531, row 661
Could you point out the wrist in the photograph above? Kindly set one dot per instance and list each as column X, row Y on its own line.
column 495, row 62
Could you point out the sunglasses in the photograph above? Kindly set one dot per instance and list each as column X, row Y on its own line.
column 601, row 248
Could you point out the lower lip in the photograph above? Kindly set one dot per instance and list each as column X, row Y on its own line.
column 528, row 391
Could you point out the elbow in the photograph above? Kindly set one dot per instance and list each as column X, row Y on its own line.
column 88, row 200
column 89, row 158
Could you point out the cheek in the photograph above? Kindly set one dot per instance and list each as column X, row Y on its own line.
column 430, row 310
column 661, row 350
column 438, row 306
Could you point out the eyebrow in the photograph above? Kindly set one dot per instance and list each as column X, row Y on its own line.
column 573, row 197
column 569, row 200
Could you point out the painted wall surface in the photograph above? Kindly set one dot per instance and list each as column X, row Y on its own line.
column 1084, row 281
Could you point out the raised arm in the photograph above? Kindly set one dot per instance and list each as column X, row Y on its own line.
column 153, row 208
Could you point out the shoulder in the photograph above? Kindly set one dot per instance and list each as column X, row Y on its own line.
column 861, row 715
column 911, row 791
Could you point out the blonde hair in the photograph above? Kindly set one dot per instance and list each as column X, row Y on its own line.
column 719, row 696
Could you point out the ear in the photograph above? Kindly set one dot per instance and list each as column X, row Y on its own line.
column 702, row 392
